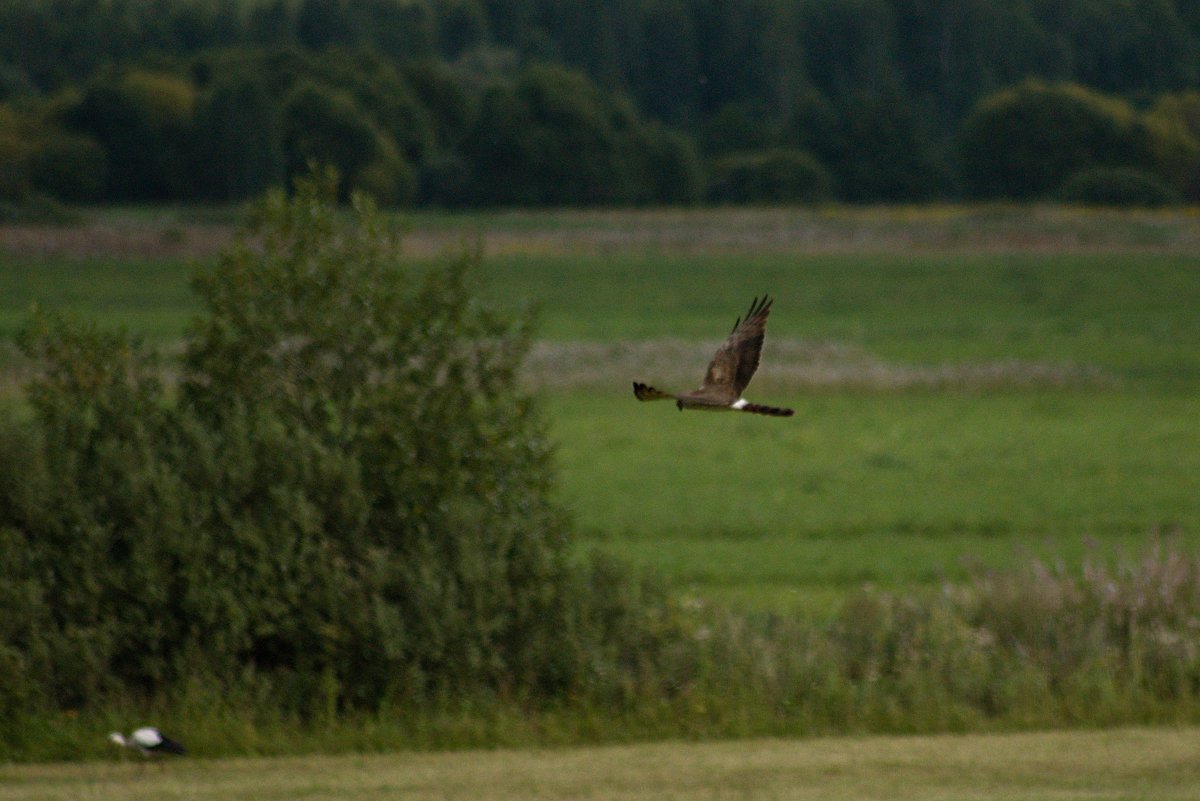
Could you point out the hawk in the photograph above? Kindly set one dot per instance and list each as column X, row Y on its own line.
column 729, row 372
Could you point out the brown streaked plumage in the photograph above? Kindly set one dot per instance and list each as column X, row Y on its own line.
column 729, row 372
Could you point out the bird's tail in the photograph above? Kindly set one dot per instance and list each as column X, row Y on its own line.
column 773, row 411
column 170, row 746
column 647, row 393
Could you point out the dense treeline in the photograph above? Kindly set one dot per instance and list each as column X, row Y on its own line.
column 456, row 102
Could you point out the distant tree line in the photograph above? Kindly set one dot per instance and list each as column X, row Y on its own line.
column 481, row 102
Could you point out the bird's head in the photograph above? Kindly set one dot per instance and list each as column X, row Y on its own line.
column 679, row 405
column 116, row 737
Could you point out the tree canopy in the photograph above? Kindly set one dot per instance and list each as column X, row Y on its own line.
column 445, row 101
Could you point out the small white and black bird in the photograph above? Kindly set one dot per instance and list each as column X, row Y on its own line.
column 148, row 741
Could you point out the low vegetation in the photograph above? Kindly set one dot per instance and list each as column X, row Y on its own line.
column 1042, row 647
column 970, row 421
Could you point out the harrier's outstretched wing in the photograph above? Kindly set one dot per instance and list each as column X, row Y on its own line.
column 729, row 372
column 734, row 363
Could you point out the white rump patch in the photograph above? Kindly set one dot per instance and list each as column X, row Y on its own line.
column 147, row 737
column 740, row 403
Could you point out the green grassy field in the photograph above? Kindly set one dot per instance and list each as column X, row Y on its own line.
column 1130, row 313
column 887, row 488
column 1148, row 765
column 957, row 406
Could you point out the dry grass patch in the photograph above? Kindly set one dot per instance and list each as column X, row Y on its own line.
column 169, row 233
column 132, row 239
column 791, row 364
column 679, row 364
column 837, row 229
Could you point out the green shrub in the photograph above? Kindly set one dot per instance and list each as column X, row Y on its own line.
column 239, row 138
column 37, row 209
column 143, row 121
column 71, row 168
column 880, row 150
column 671, row 171
column 1027, row 140
column 15, row 152
column 390, row 180
column 770, row 176
column 1174, row 123
column 553, row 137
column 344, row 501
column 326, row 126
column 1117, row 186
column 14, row 83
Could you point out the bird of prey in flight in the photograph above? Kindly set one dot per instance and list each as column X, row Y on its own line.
column 729, row 372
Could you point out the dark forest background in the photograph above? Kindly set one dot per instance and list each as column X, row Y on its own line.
column 534, row 102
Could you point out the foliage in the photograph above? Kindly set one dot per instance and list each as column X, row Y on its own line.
column 239, row 135
column 1175, row 118
column 324, row 126
column 15, row 152
column 1026, row 141
column 37, row 209
column 878, row 150
column 670, row 169
column 344, row 502
column 771, row 176
column 553, row 138
column 142, row 120
column 1044, row 646
column 898, row 77
column 1117, row 186
column 69, row 167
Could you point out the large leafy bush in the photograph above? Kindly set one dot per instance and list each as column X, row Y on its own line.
column 343, row 499
column 1025, row 141
column 1117, row 186
column 770, row 176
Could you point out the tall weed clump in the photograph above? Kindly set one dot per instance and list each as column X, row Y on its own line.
column 1110, row 642
column 342, row 503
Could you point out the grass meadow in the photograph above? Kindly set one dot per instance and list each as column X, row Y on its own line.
column 971, row 387
column 974, row 387
column 1149, row 765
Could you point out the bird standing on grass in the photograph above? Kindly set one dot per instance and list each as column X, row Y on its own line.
column 729, row 372
column 148, row 741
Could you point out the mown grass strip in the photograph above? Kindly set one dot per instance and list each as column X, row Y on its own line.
column 1149, row 765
